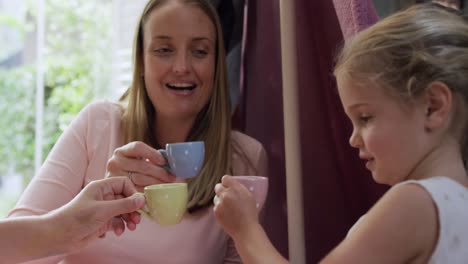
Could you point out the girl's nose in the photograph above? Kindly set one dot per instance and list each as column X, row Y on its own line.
column 355, row 140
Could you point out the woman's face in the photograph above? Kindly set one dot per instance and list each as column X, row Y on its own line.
column 179, row 48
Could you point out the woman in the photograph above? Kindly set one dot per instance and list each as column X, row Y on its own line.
column 179, row 93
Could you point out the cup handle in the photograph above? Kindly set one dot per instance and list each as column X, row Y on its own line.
column 165, row 166
column 143, row 210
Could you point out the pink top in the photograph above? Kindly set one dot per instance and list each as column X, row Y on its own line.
column 80, row 156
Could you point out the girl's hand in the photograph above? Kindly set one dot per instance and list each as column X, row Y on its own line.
column 234, row 207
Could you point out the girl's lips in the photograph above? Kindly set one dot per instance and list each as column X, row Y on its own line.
column 370, row 164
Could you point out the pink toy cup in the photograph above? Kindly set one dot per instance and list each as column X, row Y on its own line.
column 257, row 185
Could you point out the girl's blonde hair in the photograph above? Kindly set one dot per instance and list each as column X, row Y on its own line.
column 212, row 125
column 409, row 50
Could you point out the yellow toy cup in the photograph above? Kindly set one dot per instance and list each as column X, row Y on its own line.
column 166, row 203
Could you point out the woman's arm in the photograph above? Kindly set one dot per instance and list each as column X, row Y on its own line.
column 71, row 227
column 63, row 174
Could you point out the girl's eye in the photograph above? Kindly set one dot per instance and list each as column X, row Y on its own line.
column 364, row 119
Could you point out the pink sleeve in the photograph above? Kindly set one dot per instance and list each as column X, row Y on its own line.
column 231, row 253
column 62, row 175
column 262, row 162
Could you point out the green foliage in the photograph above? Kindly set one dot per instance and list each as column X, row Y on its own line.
column 77, row 68
column 17, row 119
column 68, row 89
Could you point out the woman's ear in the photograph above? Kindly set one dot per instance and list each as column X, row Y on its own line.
column 439, row 103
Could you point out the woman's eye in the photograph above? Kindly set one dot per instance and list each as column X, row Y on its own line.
column 163, row 51
column 200, row 53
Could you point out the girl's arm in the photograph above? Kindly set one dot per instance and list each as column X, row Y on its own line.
column 255, row 247
column 402, row 227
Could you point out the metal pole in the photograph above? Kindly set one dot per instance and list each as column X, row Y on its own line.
column 292, row 133
column 40, row 39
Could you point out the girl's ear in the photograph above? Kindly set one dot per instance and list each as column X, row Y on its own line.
column 439, row 103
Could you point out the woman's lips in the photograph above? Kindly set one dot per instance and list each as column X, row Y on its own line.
column 183, row 89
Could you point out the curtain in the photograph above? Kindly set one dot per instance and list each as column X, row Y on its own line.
column 337, row 189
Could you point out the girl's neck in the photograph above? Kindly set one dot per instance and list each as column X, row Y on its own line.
column 444, row 159
column 171, row 130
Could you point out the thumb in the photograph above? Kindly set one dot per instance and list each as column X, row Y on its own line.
column 227, row 181
column 123, row 206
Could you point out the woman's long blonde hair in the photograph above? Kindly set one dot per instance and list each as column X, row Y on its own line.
column 409, row 50
column 212, row 124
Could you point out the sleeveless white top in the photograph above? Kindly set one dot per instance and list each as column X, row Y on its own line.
column 451, row 200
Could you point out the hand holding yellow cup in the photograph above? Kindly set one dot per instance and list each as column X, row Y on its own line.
column 166, row 203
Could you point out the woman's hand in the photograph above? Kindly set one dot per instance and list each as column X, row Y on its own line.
column 234, row 207
column 141, row 163
column 94, row 211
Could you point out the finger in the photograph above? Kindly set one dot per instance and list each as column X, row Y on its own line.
column 227, row 181
column 131, row 220
column 219, row 188
column 122, row 165
column 130, row 225
column 140, row 179
column 118, row 226
column 110, row 188
column 126, row 218
column 122, row 186
column 122, row 206
column 216, row 200
column 135, row 217
column 138, row 149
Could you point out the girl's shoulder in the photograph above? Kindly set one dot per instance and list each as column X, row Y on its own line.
column 444, row 201
column 401, row 226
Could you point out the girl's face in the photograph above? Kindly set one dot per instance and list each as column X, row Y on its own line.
column 389, row 135
column 179, row 59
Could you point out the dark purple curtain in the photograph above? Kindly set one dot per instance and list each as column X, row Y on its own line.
column 260, row 113
column 337, row 189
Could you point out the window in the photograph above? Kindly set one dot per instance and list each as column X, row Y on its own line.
column 86, row 55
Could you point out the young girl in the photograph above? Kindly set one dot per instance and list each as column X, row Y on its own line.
column 404, row 85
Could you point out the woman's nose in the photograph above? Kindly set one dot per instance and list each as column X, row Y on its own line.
column 181, row 63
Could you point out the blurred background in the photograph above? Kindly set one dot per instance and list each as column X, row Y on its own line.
column 71, row 52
